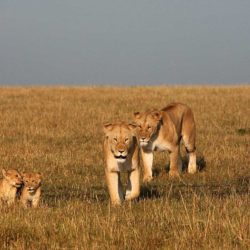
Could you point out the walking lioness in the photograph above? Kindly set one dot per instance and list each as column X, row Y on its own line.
column 162, row 131
column 121, row 153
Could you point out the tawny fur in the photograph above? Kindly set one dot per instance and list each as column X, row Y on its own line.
column 11, row 181
column 121, row 154
column 31, row 190
column 162, row 131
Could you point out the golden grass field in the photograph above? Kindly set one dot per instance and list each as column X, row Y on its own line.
column 58, row 132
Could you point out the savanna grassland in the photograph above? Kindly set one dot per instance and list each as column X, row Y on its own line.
column 58, row 132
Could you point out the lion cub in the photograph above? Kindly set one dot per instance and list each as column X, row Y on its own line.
column 31, row 190
column 12, row 180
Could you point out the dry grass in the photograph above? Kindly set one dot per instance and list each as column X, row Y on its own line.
column 58, row 131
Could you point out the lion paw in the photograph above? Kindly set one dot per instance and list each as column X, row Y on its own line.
column 147, row 178
column 174, row 174
column 130, row 196
column 192, row 168
column 115, row 203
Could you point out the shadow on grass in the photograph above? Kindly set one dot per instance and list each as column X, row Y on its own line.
column 172, row 189
column 149, row 192
column 243, row 131
column 94, row 194
column 238, row 186
column 62, row 195
column 220, row 190
column 175, row 189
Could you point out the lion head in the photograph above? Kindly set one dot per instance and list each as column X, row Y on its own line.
column 13, row 177
column 121, row 138
column 148, row 125
column 32, row 181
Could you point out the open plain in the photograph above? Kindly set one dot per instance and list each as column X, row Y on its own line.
column 58, row 131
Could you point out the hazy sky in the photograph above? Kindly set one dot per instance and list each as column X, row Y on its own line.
column 124, row 41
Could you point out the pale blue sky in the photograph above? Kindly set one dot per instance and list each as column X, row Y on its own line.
column 129, row 42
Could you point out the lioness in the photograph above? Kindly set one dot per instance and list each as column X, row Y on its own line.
column 162, row 131
column 31, row 190
column 11, row 181
column 121, row 153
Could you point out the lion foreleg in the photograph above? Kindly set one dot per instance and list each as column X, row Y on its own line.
column 24, row 203
column 133, row 187
column 114, row 187
column 147, row 158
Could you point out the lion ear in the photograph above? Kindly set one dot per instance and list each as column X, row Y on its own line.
column 23, row 174
column 157, row 115
column 132, row 126
column 39, row 175
column 137, row 115
column 107, row 127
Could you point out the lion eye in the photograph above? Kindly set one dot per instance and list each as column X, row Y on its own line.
column 149, row 127
column 16, row 175
column 115, row 139
column 139, row 126
column 126, row 139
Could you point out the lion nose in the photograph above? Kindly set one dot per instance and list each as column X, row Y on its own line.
column 143, row 138
column 121, row 150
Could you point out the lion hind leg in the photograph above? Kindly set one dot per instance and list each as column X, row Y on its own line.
column 179, row 162
column 175, row 162
column 188, row 136
column 190, row 148
column 192, row 166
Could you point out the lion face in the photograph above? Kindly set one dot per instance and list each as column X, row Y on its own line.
column 148, row 124
column 32, row 181
column 120, row 138
column 13, row 177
